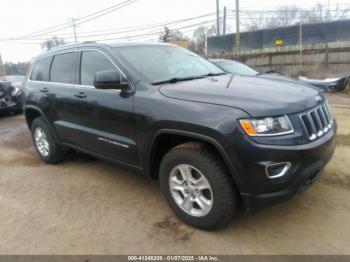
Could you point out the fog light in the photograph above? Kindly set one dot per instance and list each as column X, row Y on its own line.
column 275, row 170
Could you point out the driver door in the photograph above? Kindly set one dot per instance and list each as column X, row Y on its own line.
column 104, row 119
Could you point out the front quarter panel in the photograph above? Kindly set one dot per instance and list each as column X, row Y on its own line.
column 155, row 112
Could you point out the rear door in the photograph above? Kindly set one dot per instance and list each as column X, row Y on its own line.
column 103, row 119
column 37, row 88
column 62, row 82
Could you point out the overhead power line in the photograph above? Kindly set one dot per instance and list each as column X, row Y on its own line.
column 106, row 12
column 150, row 33
column 119, row 5
column 135, row 28
column 139, row 31
column 78, row 21
column 148, row 26
column 156, row 32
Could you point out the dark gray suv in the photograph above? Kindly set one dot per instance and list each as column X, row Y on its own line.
column 213, row 140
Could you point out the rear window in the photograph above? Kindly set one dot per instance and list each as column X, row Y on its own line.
column 41, row 70
column 63, row 68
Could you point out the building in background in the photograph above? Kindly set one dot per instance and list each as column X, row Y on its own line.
column 335, row 31
column 318, row 50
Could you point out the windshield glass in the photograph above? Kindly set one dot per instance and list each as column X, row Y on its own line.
column 162, row 63
column 237, row 68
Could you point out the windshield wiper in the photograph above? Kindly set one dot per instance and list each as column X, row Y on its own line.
column 179, row 79
column 214, row 74
column 176, row 79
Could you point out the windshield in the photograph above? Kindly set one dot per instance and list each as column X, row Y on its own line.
column 163, row 63
column 13, row 78
column 237, row 68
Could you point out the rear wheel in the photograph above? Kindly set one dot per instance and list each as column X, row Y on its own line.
column 197, row 186
column 48, row 150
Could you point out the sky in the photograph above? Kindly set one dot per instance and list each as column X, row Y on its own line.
column 23, row 17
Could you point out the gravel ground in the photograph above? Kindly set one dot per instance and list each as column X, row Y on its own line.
column 86, row 206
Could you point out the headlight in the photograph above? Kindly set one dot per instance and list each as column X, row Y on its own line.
column 268, row 126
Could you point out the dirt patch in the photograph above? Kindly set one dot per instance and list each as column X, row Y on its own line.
column 15, row 134
column 21, row 141
column 30, row 160
column 339, row 180
column 343, row 140
column 171, row 226
column 26, row 158
column 16, row 137
column 338, row 98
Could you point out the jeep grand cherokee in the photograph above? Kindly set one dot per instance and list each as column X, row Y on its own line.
column 213, row 140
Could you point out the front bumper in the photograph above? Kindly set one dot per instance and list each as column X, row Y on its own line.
column 307, row 164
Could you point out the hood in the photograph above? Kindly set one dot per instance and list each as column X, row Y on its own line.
column 256, row 95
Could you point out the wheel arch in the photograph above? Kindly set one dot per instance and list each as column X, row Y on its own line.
column 182, row 137
column 32, row 112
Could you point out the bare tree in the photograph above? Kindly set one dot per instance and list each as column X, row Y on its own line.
column 177, row 35
column 52, row 42
column 282, row 16
column 199, row 37
column 167, row 35
column 291, row 15
column 320, row 13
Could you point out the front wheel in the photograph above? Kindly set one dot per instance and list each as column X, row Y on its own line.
column 197, row 186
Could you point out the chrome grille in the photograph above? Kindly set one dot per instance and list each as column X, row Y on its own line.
column 317, row 121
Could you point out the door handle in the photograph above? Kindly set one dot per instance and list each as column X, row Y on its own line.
column 80, row 95
column 44, row 90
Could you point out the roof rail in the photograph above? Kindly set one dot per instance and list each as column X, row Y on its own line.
column 73, row 44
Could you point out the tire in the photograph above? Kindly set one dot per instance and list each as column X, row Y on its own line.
column 201, row 161
column 55, row 152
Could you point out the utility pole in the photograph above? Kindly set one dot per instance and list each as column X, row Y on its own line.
column 224, row 23
column 217, row 18
column 74, row 29
column 238, row 37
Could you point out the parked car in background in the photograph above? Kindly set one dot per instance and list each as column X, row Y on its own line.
column 237, row 68
column 15, row 80
column 11, row 98
column 214, row 140
column 336, row 84
column 325, row 85
column 234, row 67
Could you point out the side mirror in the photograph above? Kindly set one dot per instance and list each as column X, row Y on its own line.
column 109, row 79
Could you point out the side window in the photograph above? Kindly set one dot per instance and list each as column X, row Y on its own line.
column 92, row 62
column 63, row 68
column 41, row 69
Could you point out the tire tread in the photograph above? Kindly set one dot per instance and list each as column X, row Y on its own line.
column 223, row 180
